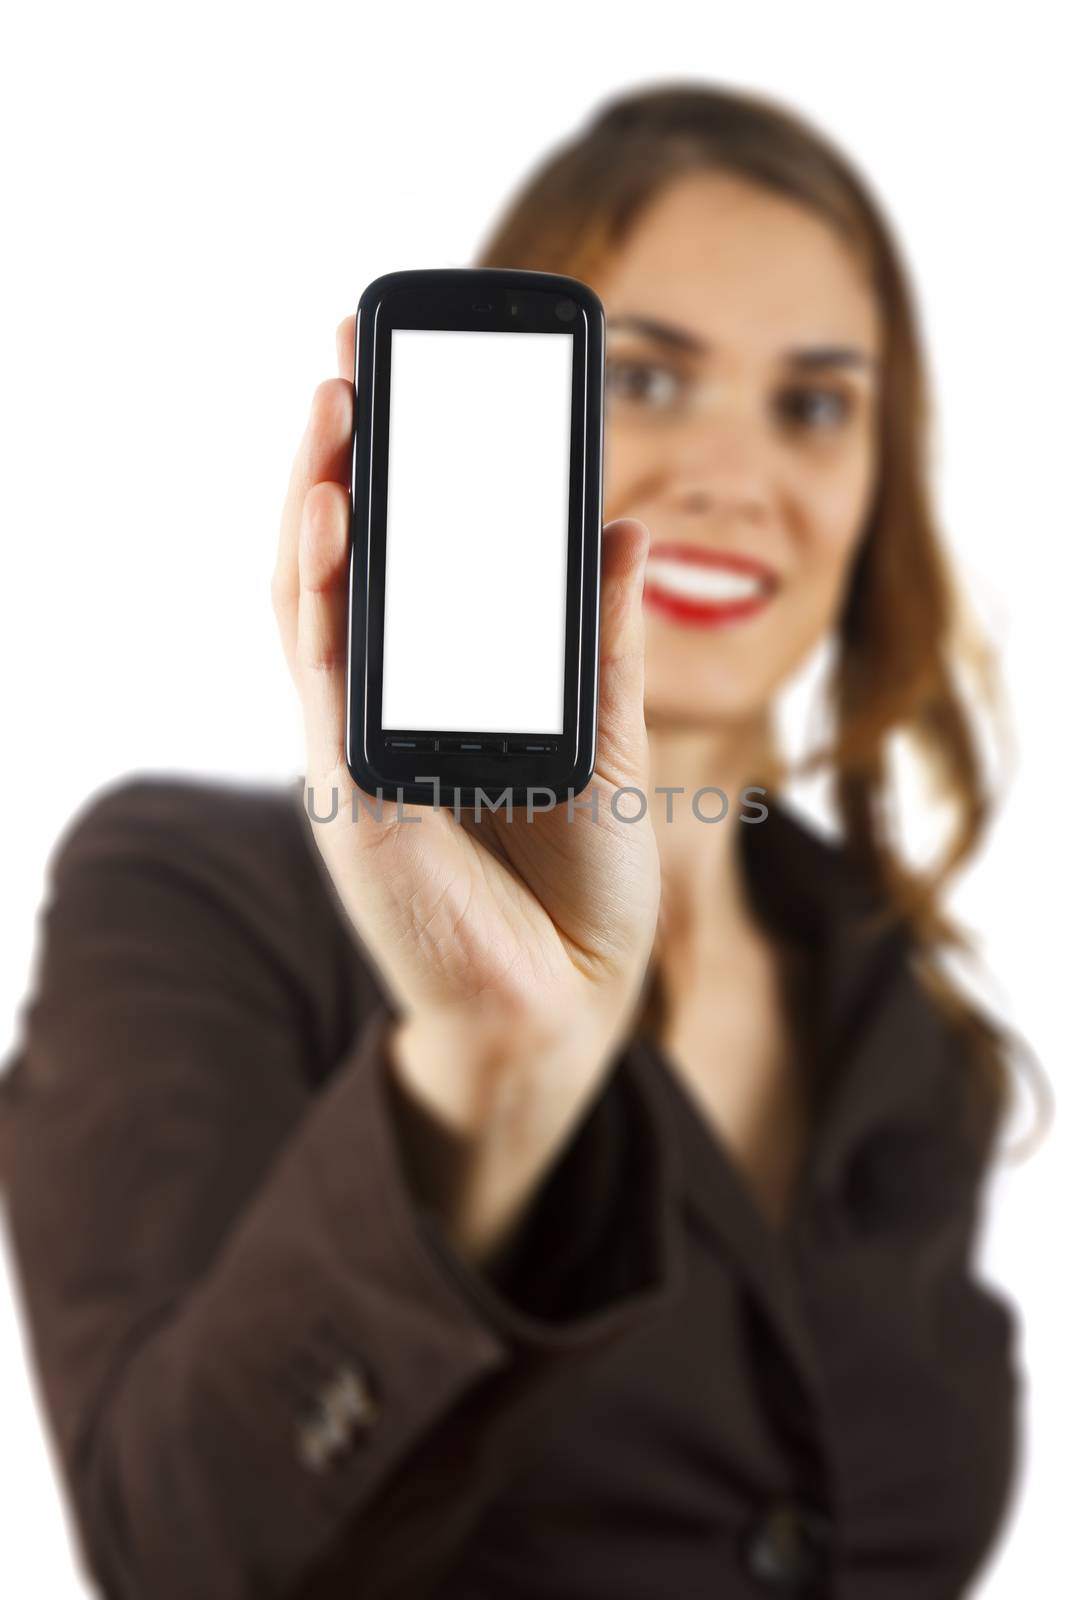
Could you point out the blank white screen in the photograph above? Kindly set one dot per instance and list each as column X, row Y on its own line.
column 476, row 534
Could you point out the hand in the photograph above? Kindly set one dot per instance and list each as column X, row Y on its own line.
column 516, row 951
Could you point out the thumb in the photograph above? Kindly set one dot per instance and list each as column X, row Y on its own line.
column 622, row 744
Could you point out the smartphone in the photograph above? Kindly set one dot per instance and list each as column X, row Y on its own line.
column 476, row 510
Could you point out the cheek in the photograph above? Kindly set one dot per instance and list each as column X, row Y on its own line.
column 831, row 514
column 827, row 521
column 626, row 468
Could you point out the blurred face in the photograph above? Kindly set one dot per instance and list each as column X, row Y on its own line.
column 741, row 427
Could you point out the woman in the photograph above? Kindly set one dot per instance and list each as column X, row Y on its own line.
column 575, row 1207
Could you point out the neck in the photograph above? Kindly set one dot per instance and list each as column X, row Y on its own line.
column 704, row 902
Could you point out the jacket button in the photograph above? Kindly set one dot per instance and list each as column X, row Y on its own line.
column 344, row 1410
column 788, row 1549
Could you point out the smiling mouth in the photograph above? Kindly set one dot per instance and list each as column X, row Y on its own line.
column 706, row 588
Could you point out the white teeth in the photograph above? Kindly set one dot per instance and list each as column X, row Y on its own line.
column 693, row 581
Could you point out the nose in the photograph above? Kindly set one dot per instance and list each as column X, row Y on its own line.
column 719, row 466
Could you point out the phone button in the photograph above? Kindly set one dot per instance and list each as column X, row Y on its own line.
column 473, row 745
column 401, row 743
column 531, row 747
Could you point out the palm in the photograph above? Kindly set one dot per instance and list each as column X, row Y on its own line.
column 527, row 907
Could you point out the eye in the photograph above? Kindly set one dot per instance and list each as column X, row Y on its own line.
column 810, row 408
column 641, row 383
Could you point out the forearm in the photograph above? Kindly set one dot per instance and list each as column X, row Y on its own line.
column 479, row 1145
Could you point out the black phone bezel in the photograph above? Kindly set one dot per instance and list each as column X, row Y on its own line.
column 436, row 298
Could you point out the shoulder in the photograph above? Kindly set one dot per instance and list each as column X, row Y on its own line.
column 163, row 809
column 203, row 869
column 215, row 831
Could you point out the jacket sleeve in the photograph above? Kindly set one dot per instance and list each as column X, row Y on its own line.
column 255, row 1348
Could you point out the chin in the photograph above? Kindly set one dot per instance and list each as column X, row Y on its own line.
column 714, row 713
column 710, row 689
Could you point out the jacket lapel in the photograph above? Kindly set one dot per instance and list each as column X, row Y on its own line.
column 881, row 1057
column 719, row 1203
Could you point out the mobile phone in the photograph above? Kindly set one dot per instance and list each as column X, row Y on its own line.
column 476, row 510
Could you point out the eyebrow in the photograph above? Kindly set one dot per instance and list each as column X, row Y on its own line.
column 809, row 357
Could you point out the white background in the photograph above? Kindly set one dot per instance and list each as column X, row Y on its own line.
column 194, row 197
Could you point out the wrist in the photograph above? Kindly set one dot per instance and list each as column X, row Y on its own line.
column 473, row 1070
column 481, row 1116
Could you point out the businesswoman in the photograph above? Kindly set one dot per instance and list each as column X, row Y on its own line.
column 570, row 1207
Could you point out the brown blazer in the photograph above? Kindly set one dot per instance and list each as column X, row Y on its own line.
column 266, row 1372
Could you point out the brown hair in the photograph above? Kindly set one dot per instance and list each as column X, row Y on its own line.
column 902, row 630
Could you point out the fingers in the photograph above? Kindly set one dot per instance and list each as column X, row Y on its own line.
column 622, row 746
column 324, row 456
column 322, row 618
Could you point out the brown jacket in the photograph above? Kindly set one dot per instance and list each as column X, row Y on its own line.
column 266, row 1372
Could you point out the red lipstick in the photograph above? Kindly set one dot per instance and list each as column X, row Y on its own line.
column 706, row 588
